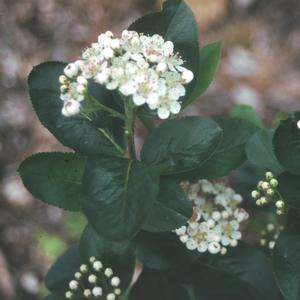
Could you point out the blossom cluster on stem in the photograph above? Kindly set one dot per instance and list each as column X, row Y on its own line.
column 94, row 281
column 215, row 223
column 143, row 68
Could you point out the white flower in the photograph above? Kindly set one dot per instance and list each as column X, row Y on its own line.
column 142, row 68
column 298, row 124
column 73, row 285
column 115, row 281
column 97, row 291
column 71, row 108
column 215, row 223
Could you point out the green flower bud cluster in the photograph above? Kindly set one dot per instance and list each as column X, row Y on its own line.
column 267, row 193
column 94, row 281
column 270, row 235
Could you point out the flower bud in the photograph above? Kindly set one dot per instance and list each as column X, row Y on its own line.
column 92, row 279
column 82, row 80
column 87, row 293
column 97, row 291
column 71, row 108
column 255, row 194
column 69, row 295
column 270, row 192
column 71, row 70
column 187, row 76
column 118, row 292
column 73, row 285
column 265, row 185
column 111, row 296
column 97, row 265
column 279, row 204
column 115, row 281
column 269, row 175
column 63, row 79
column 108, row 272
column 78, row 275
column 84, row 268
column 81, row 89
column 274, row 182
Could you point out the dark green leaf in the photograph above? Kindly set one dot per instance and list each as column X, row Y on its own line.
column 209, row 61
column 118, row 195
column 247, row 112
column 289, row 188
column 244, row 273
column 156, row 285
column 62, row 272
column 260, row 151
column 116, row 255
column 182, row 144
column 230, row 153
column 74, row 132
column 54, row 178
column 286, row 259
column 171, row 210
column 162, row 251
column 287, row 144
column 176, row 23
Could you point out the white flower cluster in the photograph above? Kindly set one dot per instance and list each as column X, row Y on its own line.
column 93, row 281
column 142, row 67
column 215, row 224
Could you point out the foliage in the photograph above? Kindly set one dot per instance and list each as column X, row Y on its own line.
column 132, row 206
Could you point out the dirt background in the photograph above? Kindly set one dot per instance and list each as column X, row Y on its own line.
column 260, row 66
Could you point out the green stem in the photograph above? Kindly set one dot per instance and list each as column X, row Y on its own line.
column 129, row 123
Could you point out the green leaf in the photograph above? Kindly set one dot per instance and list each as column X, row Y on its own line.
column 54, row 178
column 118, row 195
column 247, row 112
column 260, row 151
column 62, row 272
column 117, row 255
column 153, row 284
column 230, row 153
column 180, row 145
column 175, row 22
column 162, row 251
column 75, row 132
column 286, row 258
column 287, row 144
column 289, row 188
column 171, row 210
column 244, row 273
column 209, row 62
